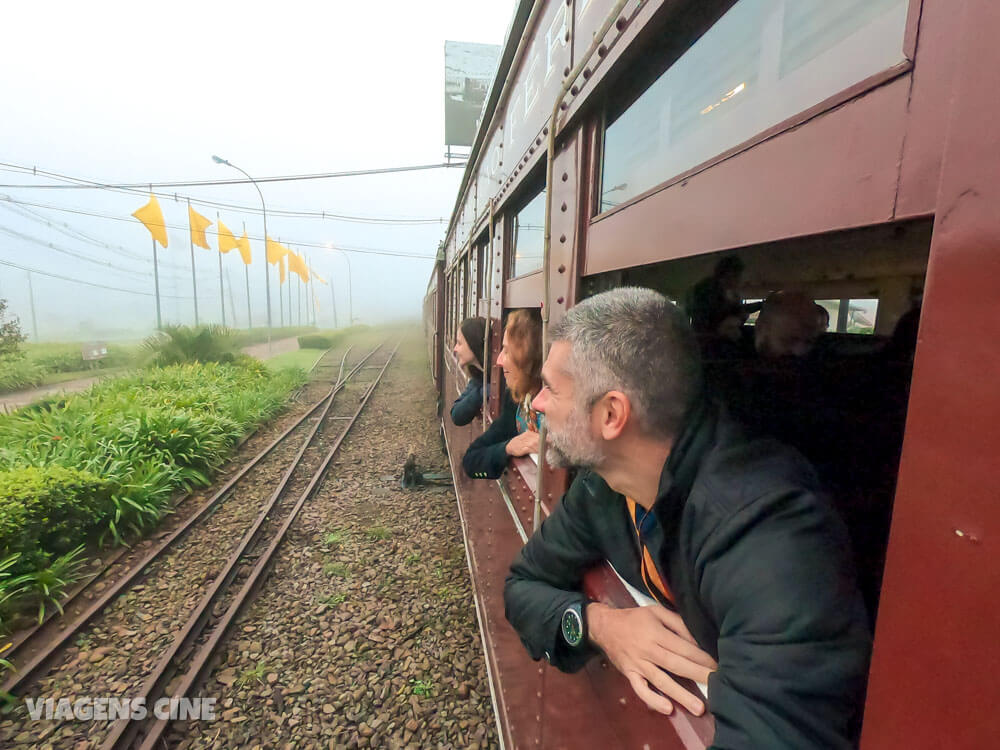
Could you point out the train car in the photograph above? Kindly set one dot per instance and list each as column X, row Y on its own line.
column 848, row 149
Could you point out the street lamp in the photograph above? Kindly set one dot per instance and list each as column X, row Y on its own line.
column 267, row 275
column 350, row 294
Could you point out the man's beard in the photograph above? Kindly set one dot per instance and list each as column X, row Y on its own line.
column 574, row 446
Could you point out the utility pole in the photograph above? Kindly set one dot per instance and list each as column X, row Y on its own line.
column 31, row 298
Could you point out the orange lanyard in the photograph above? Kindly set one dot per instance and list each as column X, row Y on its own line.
column 650, row 575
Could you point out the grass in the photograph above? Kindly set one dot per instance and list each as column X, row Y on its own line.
column 421, row 687
column 300, row 358
column 335, row 538
column 256, row 675
column 336, row 570
column 378, row 533
column 334, row 600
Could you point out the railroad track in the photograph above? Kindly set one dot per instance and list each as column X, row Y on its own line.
column 182, row 663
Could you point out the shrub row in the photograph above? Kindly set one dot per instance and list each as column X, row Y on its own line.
column 104, row 463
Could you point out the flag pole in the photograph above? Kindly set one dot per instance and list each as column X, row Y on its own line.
column 194, row 281
column 281, row 299
column 222, row 292
column 232, row 305
column 246, row 272
column 156, row 285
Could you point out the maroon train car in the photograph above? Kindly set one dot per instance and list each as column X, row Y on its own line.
column 848, row 149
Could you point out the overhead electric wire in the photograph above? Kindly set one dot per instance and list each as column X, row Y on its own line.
column 147, row 188
column 85, row 184
column 80, row 256
column 323, row 246
column 76, row 234
column 40, row 272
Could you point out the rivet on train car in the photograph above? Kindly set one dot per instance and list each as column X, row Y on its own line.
column 565, row 177
column 562, row 269
column 566, row 71
column 574, row 90
column 602, row 50
column 566, row 35
column 563, row 105
column 538, row 141
column 586, row 73
column 562, row 207
column 562, row 237
column 621, row 23
column 545, row 130
column 531, row 150
column 561, row 300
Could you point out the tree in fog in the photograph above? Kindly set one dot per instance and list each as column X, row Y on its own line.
column 10, row 334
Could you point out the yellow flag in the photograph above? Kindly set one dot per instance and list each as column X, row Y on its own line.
column 281, row 265
column 275, row 251
column 152, row 217
column 226, row 240
column 297, row 265
column 198, row 226
column 244, row 244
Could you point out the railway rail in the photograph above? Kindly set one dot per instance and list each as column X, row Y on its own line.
column 223, row 589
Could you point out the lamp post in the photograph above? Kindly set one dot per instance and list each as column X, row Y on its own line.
column 267, row 275
column 350, row 294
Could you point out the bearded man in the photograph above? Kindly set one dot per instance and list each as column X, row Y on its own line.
column 750, row 568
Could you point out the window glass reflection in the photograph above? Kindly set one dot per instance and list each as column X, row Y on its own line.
column 762, row 62
column 529, row 234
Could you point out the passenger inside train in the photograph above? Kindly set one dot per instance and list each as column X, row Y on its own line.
column 468, row 352
column 515, row 431
column 757, row 596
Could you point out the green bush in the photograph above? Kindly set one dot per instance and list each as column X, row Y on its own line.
column 315, row 341
column 16, row 374
column 103, row 464
column 175, row 345
column 46, row 511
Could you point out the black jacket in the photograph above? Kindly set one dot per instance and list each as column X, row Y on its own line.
column 469, row 404
column 760, row 568
column 486, row 457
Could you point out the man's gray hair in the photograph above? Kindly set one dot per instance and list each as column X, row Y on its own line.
column 638, row 342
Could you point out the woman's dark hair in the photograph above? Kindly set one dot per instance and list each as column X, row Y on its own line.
column 474, row 333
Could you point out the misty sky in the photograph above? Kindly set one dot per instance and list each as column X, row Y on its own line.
column 117, row 92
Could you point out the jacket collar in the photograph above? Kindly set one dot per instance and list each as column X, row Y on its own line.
column 696, row 437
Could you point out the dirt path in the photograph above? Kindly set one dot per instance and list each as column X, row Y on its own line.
column 278, row 346
column 17, row 399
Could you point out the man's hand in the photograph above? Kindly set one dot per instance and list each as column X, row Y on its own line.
column 642, row 642
column 523, row 444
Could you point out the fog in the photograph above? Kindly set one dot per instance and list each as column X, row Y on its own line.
column 118, row 93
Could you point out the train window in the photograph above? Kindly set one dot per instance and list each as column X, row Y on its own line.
column 851, row 315
column 528, row 236
column 762, row 62
column 842, row 404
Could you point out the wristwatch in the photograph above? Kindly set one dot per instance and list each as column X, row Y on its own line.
column 574, row 625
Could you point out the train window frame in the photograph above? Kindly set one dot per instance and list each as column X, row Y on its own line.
column 688, row 26
column 533, row 189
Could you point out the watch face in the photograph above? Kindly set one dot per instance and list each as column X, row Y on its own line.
column 572, row 627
